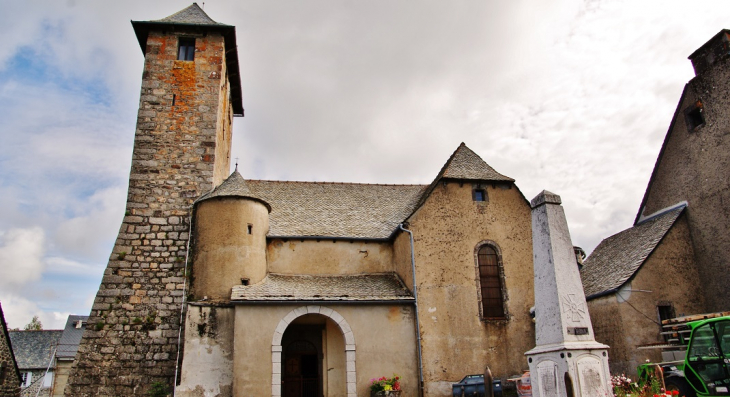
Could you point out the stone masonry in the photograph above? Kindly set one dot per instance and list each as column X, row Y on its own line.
column 181, row 150
column 9, row 375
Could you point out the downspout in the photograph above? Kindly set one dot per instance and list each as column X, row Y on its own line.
column 184, row 300
column 415, row 304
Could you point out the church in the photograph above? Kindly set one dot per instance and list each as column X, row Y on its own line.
column 219, row 285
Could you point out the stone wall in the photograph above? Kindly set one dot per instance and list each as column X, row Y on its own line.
column 181, row 150
column 447, row 230
column 9, row 382
column 693, row 166
column 36, row 385
column 60, row 378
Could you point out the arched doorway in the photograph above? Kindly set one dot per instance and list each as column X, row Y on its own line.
column 302, row 361
column 341, row 354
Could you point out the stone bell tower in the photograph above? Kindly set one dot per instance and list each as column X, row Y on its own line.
column 191, row 90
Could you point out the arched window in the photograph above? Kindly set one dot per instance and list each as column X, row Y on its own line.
column 490, row 283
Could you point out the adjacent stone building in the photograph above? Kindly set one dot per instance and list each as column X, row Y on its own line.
column 674, row 260
column 693, row 166
column 294, row 288
column 35, row 354
column 10, row 376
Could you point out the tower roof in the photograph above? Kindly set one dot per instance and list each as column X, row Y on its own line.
column 465, row 164
column 193, row 15
column 233, row 186
column 193, row 18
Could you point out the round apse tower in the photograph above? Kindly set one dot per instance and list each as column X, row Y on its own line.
column 229, row 247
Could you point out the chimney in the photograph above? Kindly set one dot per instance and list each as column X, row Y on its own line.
column 718, row 47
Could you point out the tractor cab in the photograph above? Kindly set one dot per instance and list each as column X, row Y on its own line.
column 707, row 364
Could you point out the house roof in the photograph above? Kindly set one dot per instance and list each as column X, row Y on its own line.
column 71, row 337
column 193, row 17
column 617, row 258
column 5, row 332
column 366, row 287
column 465, row 164
column 34, row 349
column 339, row 210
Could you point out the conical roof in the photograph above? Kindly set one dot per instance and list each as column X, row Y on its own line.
column 233, row 186
column 465, row 164
column 192, row 15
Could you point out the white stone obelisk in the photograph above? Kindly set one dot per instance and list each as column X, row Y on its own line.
column 566, row 361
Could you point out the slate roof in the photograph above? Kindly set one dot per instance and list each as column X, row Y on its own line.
column 280, row 287
column 465, row 164
column 33, row 349
column 347, row 210
column 340, row 210
column 192, row 15
column 71, row 337
column 233, row 186
column 619, row 257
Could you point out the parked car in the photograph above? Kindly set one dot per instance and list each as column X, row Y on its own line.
column 473, row 386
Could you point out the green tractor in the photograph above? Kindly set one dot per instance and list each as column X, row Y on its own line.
column 705, row 370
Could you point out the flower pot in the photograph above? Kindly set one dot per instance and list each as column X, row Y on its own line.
column 386, row 393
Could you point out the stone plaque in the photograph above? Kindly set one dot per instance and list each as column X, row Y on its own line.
column 577, row 331
column 547, row 376
column 590, row 377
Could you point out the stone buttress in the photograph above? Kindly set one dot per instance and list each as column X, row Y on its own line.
column 190, row 92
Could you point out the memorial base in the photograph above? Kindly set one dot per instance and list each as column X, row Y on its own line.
column 570, row 372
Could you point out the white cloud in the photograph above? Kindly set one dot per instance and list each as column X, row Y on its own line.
column 19, row 311
column 21, row 257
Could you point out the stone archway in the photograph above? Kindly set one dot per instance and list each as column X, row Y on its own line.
column 276, row 349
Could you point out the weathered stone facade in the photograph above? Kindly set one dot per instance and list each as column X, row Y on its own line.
column 9, row 374
column 630, row 319
column 37, row 386
column 694, row 165
column 448, row 230
column 181, row 150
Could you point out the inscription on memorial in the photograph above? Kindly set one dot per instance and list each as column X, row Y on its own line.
column 547, row 372
column 589, row 377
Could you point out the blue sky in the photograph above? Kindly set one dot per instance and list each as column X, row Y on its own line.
column 573, row 96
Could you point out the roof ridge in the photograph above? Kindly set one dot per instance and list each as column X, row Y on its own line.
column 337, row 183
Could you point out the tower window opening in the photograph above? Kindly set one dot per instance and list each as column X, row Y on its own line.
column 186, row 49
column 694, row 116
column 250, row 228
column 479, row 195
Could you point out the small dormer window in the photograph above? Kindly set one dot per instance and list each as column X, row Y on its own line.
column 186, row 49
column 479, row 195
column 694, row 116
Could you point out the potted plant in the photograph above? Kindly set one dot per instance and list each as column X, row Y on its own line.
column 385, row 387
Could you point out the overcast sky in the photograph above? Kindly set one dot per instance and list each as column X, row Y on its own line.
column 573, row 96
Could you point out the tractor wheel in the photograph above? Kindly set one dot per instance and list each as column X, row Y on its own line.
column 680, row 385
